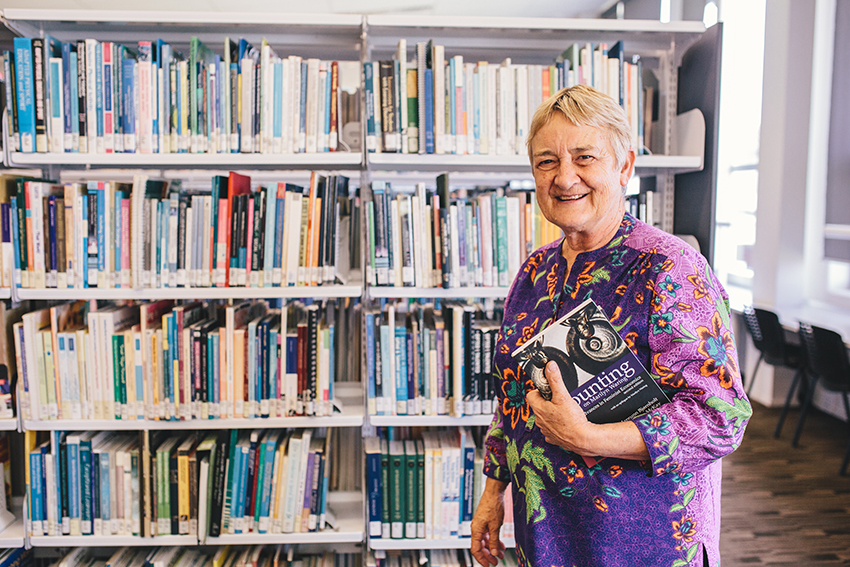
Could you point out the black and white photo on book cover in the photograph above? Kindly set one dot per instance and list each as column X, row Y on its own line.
column 599, row 371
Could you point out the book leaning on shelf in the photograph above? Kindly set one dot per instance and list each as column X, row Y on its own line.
column 436, row 239
column 167, row 483
column 163, row 361
column 91, row 96
column 599, row 371
column 437, row 104
column 152, row 234
column 425, row 488
column 423, row 360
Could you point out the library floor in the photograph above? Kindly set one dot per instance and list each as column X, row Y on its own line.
column 783, row 506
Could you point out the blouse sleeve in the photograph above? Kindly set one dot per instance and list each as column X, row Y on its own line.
column 693, row 356
column 495, row 459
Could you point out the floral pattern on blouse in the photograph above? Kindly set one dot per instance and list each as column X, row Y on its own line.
column 662, row 297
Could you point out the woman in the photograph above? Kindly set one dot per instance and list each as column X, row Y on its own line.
column 654, row 499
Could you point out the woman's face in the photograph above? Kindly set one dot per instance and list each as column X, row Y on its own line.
column 579, row 186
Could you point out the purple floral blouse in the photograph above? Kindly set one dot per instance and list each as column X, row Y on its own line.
column 673, row 313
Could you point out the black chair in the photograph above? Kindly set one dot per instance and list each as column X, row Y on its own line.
column 769, row 338
column 827, row 364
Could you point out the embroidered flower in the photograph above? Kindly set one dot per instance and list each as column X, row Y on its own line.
column 656, row 423
column 671, row 466
column 658, row 301
column 700, row 289
column 528, row 332
column 616, row 257
column 667, row 376
column 669, row 286
column 615, row 471
column 685, row 529
column 552, row 282
column 600, row 504
column 682, row 478
column 664, row 266
column 572, row 471
column 532, row 264
column 661, row 323
column 718, row 348
column 513, row 401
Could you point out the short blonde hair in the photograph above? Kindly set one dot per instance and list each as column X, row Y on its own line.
column 583, row 105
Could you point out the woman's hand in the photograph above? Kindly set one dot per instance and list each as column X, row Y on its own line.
column 561, row 420
column 488, row 519
column 564, row 424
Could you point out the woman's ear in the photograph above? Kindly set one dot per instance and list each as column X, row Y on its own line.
column 628, row 168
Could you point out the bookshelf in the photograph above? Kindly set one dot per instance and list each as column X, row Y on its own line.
column 683, row 55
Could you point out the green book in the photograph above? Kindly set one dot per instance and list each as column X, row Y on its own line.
column 412, row 484
column 119, row 366
column 502, row 239
column 228, row 494
column 420, row 481
column 385, row 488
column 398, row 489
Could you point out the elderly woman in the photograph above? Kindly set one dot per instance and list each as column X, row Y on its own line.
column 654, row 499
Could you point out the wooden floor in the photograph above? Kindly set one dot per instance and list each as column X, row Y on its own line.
column 786, row 506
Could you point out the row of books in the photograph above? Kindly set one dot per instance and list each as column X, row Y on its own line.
column 425, row 488
column 226, row 556
column 168, row 361
column 427, row 360
column 642, row 206
column 435, row 105
column 436, row 239
column 153, row 484
column 153, row 234
column 93, row 96
column 434, row 558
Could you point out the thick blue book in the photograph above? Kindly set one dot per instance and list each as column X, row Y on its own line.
column 74, row 103
column 429, row 111
column 85, row 487
column 25, row 93
column 128, row 116
column 67, row 81
column 100, row 85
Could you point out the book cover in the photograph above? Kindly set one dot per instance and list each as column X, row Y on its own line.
column 600, row 372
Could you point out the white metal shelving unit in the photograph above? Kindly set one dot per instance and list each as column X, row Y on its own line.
column 111, row 541
column 329, row 160
column 350, row 399
column 9, row 424
column 437, row 292
column 355, row 37
column 443, row 543
column 428, row 420
column 293, row 292
column 346, row 517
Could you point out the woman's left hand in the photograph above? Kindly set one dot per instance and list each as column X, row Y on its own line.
column 561, row 420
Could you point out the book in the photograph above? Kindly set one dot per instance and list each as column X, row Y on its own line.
column 598, row 369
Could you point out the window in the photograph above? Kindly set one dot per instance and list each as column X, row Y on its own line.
column 738, row 150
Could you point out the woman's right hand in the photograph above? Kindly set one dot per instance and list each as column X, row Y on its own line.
column 488, row 519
